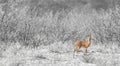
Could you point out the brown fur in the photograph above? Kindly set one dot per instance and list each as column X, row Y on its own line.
column 78, row 44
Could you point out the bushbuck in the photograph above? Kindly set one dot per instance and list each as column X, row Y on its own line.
column 78, row 44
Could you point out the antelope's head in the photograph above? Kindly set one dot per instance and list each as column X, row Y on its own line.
column 89, row 37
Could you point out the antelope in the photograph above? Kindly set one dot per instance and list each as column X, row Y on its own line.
column 78, row 44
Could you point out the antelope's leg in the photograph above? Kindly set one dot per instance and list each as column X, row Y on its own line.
column 85, row 51
column 75, row 53
column 76, row 49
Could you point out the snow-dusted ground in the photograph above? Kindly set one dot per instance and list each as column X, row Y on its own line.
column 59, row 54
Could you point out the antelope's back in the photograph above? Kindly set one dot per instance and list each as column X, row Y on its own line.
column 77, row 43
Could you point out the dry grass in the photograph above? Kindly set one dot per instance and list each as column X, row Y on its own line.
column 60, row 54
column 48, row 39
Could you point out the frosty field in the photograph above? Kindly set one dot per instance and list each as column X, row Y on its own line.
column 43, row 32
column 59, row 54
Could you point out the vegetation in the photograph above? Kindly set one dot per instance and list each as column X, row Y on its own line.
column 19, row 24
column 40, row 23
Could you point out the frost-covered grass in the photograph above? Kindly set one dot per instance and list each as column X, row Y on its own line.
column 59, row 54
column 47, row 40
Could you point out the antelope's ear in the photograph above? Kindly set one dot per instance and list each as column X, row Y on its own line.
column 89, row 35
